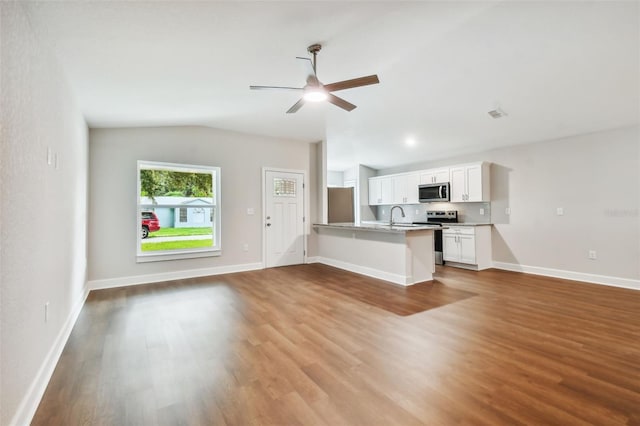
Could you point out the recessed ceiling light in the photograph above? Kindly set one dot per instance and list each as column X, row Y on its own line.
column 497, row 113
column 410, row 142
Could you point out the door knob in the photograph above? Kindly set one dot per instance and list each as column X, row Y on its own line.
column 268, row 224
column 268, row 217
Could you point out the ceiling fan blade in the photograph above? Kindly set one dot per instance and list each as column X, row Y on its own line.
column 312, row 78
column 349, row 84
column 274, row 87
column 296, row 106
column 339, row 102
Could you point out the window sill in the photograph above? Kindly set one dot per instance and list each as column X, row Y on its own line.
column 177, row 255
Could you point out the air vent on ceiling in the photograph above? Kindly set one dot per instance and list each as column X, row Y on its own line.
column 497, row 113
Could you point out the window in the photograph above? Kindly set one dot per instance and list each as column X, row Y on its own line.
column 178, row 211
column 284, row 187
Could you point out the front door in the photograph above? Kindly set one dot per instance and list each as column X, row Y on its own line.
column 284, row 218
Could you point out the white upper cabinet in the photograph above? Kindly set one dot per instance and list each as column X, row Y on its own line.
column 405, row 188
column 458, row 184
column 380, row 190
column 434, row 176
column 470, row 183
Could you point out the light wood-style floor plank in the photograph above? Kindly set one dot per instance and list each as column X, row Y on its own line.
column 314, row 345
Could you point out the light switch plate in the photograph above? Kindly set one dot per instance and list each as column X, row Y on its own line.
column 560, row 211
column 251, row 211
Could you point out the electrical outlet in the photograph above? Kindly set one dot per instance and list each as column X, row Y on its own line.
column 592, row 255
column 384, row 211
column 245, row 247
column 560, row 211
column 481, row 212
column 46, row 312
column 49, row 156
column 507, row 211
column 417, row 211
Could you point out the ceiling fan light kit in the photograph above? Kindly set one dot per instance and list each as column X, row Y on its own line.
column 315, row 91
column 315, row 94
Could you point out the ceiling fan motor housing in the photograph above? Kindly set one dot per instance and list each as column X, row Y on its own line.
column 314, row 48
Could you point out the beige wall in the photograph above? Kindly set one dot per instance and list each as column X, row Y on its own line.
column 43, row 215
column 113, row 154
column 595, row 178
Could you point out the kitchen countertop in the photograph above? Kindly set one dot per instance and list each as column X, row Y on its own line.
column 470, row 224
column 378, row 227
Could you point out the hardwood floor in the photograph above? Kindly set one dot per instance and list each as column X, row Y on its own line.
column 314, row 345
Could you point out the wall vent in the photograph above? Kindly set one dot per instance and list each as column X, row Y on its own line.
column 497, row 113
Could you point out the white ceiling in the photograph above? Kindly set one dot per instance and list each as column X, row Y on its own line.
column 557, row 69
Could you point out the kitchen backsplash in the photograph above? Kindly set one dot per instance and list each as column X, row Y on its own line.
column 467, row 212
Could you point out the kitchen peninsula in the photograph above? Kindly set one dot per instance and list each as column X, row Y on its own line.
column 402, row 253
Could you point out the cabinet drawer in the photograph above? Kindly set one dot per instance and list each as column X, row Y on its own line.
column 459, row 230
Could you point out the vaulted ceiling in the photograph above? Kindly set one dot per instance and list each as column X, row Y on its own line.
column 556, row 68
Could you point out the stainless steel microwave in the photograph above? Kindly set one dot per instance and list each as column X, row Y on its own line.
column 433, row 192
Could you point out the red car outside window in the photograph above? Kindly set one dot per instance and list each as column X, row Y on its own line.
column 150, row 223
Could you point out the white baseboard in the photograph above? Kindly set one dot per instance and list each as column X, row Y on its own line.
column 173, row 275
column 570, row 275
column 363, row 270
column 29, row 404
column 313, row 259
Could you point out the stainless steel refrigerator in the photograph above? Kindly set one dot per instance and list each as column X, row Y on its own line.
column 340, row 203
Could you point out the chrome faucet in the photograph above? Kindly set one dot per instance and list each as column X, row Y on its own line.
column 391, row 214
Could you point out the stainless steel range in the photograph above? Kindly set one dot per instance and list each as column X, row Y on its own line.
column 439, row 217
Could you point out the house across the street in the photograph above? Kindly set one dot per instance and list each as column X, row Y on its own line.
column 182, row 212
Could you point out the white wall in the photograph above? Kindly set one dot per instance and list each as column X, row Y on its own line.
column 113, row 225
column 43, row 227
column 595, row 178
column 335, row 179
column 366, row 212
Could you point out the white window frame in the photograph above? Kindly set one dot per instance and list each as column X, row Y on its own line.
column 156, row 256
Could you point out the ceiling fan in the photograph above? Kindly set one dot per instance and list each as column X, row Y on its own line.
column 315, row 91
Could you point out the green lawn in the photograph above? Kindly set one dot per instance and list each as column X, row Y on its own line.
column 177, row 245
column 180, row 232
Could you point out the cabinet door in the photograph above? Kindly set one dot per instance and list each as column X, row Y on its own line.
column 441, row 176
column 386, row 191
column 399, row 184
column 450, row 249
column 374, row 192
column 474, row 183
column 412, row 188
column 467, row 244
column 458, row 185
column 427, row 178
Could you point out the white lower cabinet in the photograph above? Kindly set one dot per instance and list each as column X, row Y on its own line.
column 467, row 246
